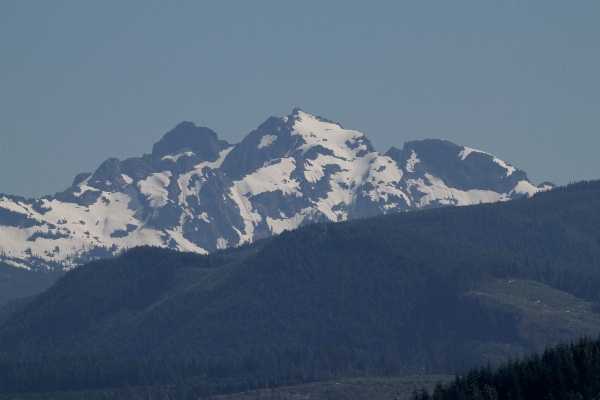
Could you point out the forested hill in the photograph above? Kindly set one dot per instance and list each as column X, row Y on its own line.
column 561, row 225
column 372, row 287
column 565, row 371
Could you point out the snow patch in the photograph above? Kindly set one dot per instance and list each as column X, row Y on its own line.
column 509, row 169
column 313, row 172
column 154, row 187
column 127, row 178
column 436, row 191
column 84, row 182
column 194, row 190
column 279, row 225
column 412, row 161
column 271, row 178
column 467, row 150
column 177, row 156
column 328, row 135
column 221, row 243
column 526, row 188
column 77, row 230
column 266, row 141
column 204, row 217
column 17, row 264
column 385, row 176
column 182, row 243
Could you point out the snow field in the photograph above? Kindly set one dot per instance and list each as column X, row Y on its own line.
column 154, row 187
column 359, row 171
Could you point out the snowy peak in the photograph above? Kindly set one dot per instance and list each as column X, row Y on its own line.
column 195, row 192
column 108, row 177
column 270, row 141
column 457, row 166
column 300, row 136
column 329, row 137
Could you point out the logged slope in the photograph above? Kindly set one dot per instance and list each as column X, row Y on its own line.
column 197, row 193
column 561, row 225
column 370, row 286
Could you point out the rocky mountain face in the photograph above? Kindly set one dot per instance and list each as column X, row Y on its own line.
column 197, row 193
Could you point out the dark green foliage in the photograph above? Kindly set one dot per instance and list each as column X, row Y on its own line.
column 560, row 225
column 566, row 371
column 373, row 286
column 19, row 282
column 366, row 297
column 194, row 378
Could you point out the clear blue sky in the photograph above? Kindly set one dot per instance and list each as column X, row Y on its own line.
column 82, row 81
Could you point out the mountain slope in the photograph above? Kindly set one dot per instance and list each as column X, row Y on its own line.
column 565, row 371
column 560, row 225
column 371, row 286
column 197, row 193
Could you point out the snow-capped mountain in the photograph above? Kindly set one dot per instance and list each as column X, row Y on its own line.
column 198, row 193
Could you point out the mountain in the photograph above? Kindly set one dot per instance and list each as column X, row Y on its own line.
column 559, row 225
column 370, row 286
column 197, row 193
column 435, row 291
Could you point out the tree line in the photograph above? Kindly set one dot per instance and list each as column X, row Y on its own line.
column 568, row 371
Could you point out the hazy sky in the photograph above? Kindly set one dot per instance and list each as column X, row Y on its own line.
column 82, row 81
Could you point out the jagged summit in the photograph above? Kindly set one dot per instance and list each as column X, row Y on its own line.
column 459, row 167
column 197, row 193
column 188, row 137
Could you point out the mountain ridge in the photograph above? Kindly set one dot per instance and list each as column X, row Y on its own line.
column 394, row 294
column 197, row 193
column 372, row 284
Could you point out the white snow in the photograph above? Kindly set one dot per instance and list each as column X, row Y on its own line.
column 343, row 144
column 17, row 264
column 182, row 243
column 524, row 187
column 344, row 183
column 154, row 187
column 385, row 175
column 328, row 135
column 84, row 182
column 215, row 164
column 436, row 190
column 84, row 188
column 279, row 225
column 84, row 228
column 194, row 190
column 509, row 169
column 127, row 178
column 270, row 178
column 266, row 141
column 221, row 243
column 12, row 206
column 313, row 172
column 410, row 163
column 467, row 150
column 177, row 156
column 369, row 174
column 546, row 187
column 204, row 217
